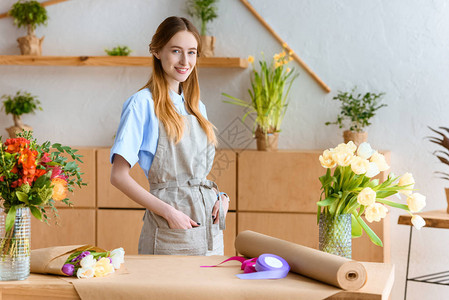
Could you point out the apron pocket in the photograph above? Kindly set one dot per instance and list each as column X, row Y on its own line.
column 180, row 241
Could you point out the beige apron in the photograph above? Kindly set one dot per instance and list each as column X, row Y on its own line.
column 178, row 177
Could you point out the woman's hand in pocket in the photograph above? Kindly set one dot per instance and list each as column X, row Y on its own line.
column 216, row 209
column 179, row 220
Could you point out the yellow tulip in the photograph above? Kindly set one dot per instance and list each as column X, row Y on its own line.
column 250, row 59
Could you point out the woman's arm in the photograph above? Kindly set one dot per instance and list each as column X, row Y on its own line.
column 121, row 179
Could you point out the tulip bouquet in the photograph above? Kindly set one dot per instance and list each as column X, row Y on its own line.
column 351, row 189
column 87, row 264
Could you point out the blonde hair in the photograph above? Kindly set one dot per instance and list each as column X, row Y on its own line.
column 163, row 106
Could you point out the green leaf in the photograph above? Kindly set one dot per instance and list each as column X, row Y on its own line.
column 373, row 237
column 36, row 212
column 10, row 218
column 393, row 204
column 326, row 202
column 22, row 197
column 356, row 229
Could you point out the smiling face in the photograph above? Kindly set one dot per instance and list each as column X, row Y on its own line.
column 178, row 58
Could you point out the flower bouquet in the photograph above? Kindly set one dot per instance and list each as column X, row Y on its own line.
column 351, row 189
column 32, row 178
column 87, row 264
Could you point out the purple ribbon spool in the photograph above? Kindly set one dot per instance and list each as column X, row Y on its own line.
column 268, row 266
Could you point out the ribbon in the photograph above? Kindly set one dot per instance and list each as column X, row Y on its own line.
column 266, row 266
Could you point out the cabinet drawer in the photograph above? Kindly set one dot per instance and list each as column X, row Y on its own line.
column 75, row 226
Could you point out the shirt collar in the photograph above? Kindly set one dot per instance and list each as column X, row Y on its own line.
column 176, row 98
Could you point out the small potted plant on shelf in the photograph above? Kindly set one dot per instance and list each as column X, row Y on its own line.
column 442, row 155
column 29, row 14
column 358, row 109
column 21, row 103
column 205, row 11
column 118, row 51
column 270, row 88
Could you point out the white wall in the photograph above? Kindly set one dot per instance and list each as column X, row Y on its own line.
column 392, row 46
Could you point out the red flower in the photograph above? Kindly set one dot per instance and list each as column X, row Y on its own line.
column 15, row 145
column 2, row 178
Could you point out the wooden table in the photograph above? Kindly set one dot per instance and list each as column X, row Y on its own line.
column 434, row 219
column 179, row 277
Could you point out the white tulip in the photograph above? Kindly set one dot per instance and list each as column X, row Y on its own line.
column 365, row 151
column 342, row 158
column 326, row 159
column 418, row 222
column 373, row 170
column 349, row 147
column 88, row 262
column 366, row 197
column 416, row 202
column 117, row 257
column 375, row 212
column 406, row 179
column 359, row 165
column 85, row 272
column 379, row 159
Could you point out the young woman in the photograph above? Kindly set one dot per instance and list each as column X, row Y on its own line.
column 164, row 127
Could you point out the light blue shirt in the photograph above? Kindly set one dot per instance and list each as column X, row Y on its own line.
column 138, row 132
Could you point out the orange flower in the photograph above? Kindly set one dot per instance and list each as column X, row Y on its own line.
column 28, row 158
column 59, row 189
column 39, row 173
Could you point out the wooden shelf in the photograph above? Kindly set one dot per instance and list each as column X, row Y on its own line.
column 113, row 61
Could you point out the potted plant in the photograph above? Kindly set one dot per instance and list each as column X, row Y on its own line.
column 205, row 11
column 442, row 155
column 118, row 51
column 270, row 88
column 29, row 14
column 21, row 103
column 358, row 109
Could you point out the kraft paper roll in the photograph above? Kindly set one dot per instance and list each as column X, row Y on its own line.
column 331, row 269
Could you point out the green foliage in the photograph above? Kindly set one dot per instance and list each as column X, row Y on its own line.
column 118, row 51
column 358, row 109
column 204, row 10
column 26, row 175
column 21, row 103
column 28, row 13
column 270, row 89
column 442, row 155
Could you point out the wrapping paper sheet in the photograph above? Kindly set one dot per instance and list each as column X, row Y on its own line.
column 181, row 277
column 331, row 269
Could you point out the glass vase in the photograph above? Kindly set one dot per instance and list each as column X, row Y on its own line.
column 335, row 234
column 15, row 246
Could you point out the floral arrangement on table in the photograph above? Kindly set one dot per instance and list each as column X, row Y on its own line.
column 35, row 176
column 87, row 264
column 269, row 91
column 351, row 189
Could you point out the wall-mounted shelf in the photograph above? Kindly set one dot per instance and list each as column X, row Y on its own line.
column 113, row 61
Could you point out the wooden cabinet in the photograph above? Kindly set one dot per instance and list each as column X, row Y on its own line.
column 274, row 193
